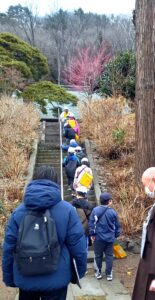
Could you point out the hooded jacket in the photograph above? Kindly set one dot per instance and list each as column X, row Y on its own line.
column 69, row 132
column 41, row 195
column 72, row 144
column 83, row 208
column 71, row 162
column 105, row 228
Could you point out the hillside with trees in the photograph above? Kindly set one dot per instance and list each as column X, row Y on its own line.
column 21, row 66
column 58, row 35
column 20, row 63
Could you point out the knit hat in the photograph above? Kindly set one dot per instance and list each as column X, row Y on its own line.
column 71, row 150
column 105, row 197
column 84, row 159
column 72, row 141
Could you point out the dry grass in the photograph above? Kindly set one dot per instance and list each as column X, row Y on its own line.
column 103, row 122
column 18, row 125
column 113, row 133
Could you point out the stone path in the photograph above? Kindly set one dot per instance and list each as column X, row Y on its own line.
column 98, row 289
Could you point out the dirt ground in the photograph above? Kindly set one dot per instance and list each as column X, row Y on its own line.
column 124, row 269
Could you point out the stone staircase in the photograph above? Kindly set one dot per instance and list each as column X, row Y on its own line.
column 49, row 154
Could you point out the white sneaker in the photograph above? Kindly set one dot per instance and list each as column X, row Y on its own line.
column 98, row 275
column 109, row 277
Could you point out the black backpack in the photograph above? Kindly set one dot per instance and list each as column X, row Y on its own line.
column 71, row 168
column 38, row 249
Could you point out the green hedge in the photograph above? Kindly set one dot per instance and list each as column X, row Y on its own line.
column 42, row 90
column 18, row 54
column 119, row 76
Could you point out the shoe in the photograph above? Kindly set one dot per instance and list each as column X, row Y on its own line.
column 98, row 275
column 69, row 188
column 109, row 277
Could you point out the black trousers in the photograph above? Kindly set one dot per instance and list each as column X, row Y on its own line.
column 53, row 295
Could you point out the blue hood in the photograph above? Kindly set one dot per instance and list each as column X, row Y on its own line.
column 72, row 156
column 73, row 144
column 41, row 194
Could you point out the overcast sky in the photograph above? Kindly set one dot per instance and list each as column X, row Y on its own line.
column 97, row 6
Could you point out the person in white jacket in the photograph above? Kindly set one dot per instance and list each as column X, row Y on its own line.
column 80, row 172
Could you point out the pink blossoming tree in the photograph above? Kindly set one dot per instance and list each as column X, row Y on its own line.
column 86, row 67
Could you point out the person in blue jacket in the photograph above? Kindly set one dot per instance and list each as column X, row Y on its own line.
column 71, row 162
column 43, row 193
column 72, row 144
column 104, row 227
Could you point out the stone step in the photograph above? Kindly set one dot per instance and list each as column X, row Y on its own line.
column 50, row 148
column 43, row 158
column 56, row 167
column 50, row 163
column 48, row 154
column 53, row 136
column 47, row 147
column 57, row 170
column 56, row 142
column 50, row 132
column 50, row 160
column 52, row 143
column 52, row 155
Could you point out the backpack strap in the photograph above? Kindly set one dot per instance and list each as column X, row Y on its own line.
column 103, row 213
column 47, row 215
column 81, row 171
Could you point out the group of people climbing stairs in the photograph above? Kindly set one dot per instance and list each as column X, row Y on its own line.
column 49, row 154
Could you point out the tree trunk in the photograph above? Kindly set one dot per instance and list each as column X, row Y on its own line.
column 145, row 86
column 59, row 68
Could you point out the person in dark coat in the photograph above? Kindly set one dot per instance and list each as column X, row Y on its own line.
column 83, row 207
column 68, row 133
column 71, row 162
column 144, row 287
column 104, row 227
column 79, row 152
column 44, row 193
